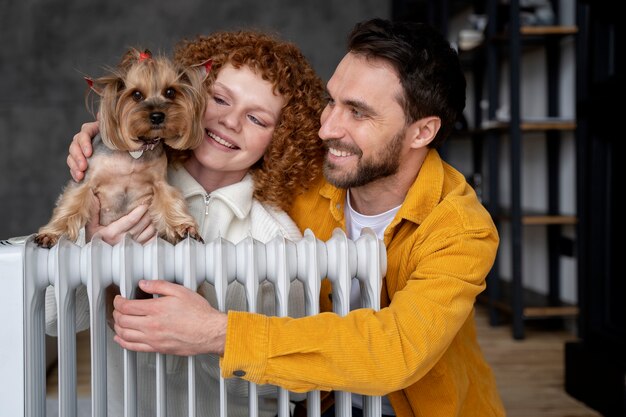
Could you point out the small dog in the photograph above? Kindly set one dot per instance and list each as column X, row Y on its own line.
column 146, row 103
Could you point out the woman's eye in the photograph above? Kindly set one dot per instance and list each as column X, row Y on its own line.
column 256, row 121
column 137, row 96
column 219, row 100
column 170, row 94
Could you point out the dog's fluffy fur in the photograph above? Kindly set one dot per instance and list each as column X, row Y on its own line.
column 146, row 103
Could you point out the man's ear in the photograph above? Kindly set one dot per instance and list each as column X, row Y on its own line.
column 423, row 131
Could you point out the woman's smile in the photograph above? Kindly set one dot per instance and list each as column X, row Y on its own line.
column 211, row 136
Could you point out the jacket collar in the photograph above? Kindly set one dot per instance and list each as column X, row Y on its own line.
column 238, row 196
column 426, row 191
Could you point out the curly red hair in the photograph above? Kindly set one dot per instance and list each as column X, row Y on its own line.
column 294, row 156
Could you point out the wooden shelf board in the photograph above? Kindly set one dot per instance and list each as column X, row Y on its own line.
column 530, row 36
column 539, row 219
column 555, row 311
column 531, row 220
column 531, row 33
column 547, row 125
column 533, row 125
column 536, row 306
column 548, row 30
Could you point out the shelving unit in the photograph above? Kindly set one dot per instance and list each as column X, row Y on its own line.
column 508, row 45
column 508, row 42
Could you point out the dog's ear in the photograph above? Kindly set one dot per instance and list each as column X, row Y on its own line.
column 106, row 90
column 204, row 69
column 201, row 71
column 100, row 85
column 196, row 75
column 92, row 85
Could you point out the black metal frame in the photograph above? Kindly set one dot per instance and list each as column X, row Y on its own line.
column 595, row 366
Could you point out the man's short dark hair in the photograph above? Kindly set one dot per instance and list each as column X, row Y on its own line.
column 428, row 68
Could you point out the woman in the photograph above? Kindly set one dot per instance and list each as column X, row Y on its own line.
column 261, row 148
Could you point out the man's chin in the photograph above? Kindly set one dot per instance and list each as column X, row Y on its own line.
column 337, row 178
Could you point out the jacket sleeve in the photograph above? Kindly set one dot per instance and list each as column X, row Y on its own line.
column 369, row 352
column 268, row 222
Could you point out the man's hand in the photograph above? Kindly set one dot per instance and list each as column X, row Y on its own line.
column 81, row 149
column 180, row 322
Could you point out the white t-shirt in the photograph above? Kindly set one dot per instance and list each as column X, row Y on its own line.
column 355, row 222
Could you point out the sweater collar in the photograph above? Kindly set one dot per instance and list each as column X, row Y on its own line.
column 238, row 196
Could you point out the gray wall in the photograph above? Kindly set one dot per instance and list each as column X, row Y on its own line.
column 48, row 45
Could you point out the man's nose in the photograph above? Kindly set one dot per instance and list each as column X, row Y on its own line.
column 331, row 124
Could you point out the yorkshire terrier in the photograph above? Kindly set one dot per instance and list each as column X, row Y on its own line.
column 146, row 104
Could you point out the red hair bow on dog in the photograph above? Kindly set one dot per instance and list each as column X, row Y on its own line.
column 144, row 55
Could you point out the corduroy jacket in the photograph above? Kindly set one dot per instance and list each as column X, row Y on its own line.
column 420, row 349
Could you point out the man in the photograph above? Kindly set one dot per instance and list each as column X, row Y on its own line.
column 393, row 100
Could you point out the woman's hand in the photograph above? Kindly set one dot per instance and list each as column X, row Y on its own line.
column 179, row 322
column 81, row 149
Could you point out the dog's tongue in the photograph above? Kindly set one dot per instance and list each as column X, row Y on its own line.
column 136, row 154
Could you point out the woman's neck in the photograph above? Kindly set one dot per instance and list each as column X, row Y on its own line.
column 209, row 179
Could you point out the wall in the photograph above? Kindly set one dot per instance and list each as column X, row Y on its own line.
column 47, row 47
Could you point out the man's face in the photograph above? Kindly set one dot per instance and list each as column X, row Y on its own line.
column 363, row 124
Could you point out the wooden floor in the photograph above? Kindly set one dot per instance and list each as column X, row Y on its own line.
column 529, row 372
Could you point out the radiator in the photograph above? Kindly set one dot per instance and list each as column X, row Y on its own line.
column 26, row 270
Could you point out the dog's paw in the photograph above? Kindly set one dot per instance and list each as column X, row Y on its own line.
column 46, row 240
column 182, row 232
column 193, row 233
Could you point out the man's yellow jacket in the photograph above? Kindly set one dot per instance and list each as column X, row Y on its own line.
column 420, row 349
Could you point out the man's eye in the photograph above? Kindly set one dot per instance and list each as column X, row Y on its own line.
column 358, row 113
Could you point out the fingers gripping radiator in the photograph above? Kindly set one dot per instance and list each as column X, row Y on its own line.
column 27, row 270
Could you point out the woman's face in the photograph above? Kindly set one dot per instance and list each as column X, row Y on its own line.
column 239, row 121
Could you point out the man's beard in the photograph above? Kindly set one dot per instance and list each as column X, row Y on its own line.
column 383, row 164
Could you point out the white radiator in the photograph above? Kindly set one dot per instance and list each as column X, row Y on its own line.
column 26, row 270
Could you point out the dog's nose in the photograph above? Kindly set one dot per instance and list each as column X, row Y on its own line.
column 157, row 117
